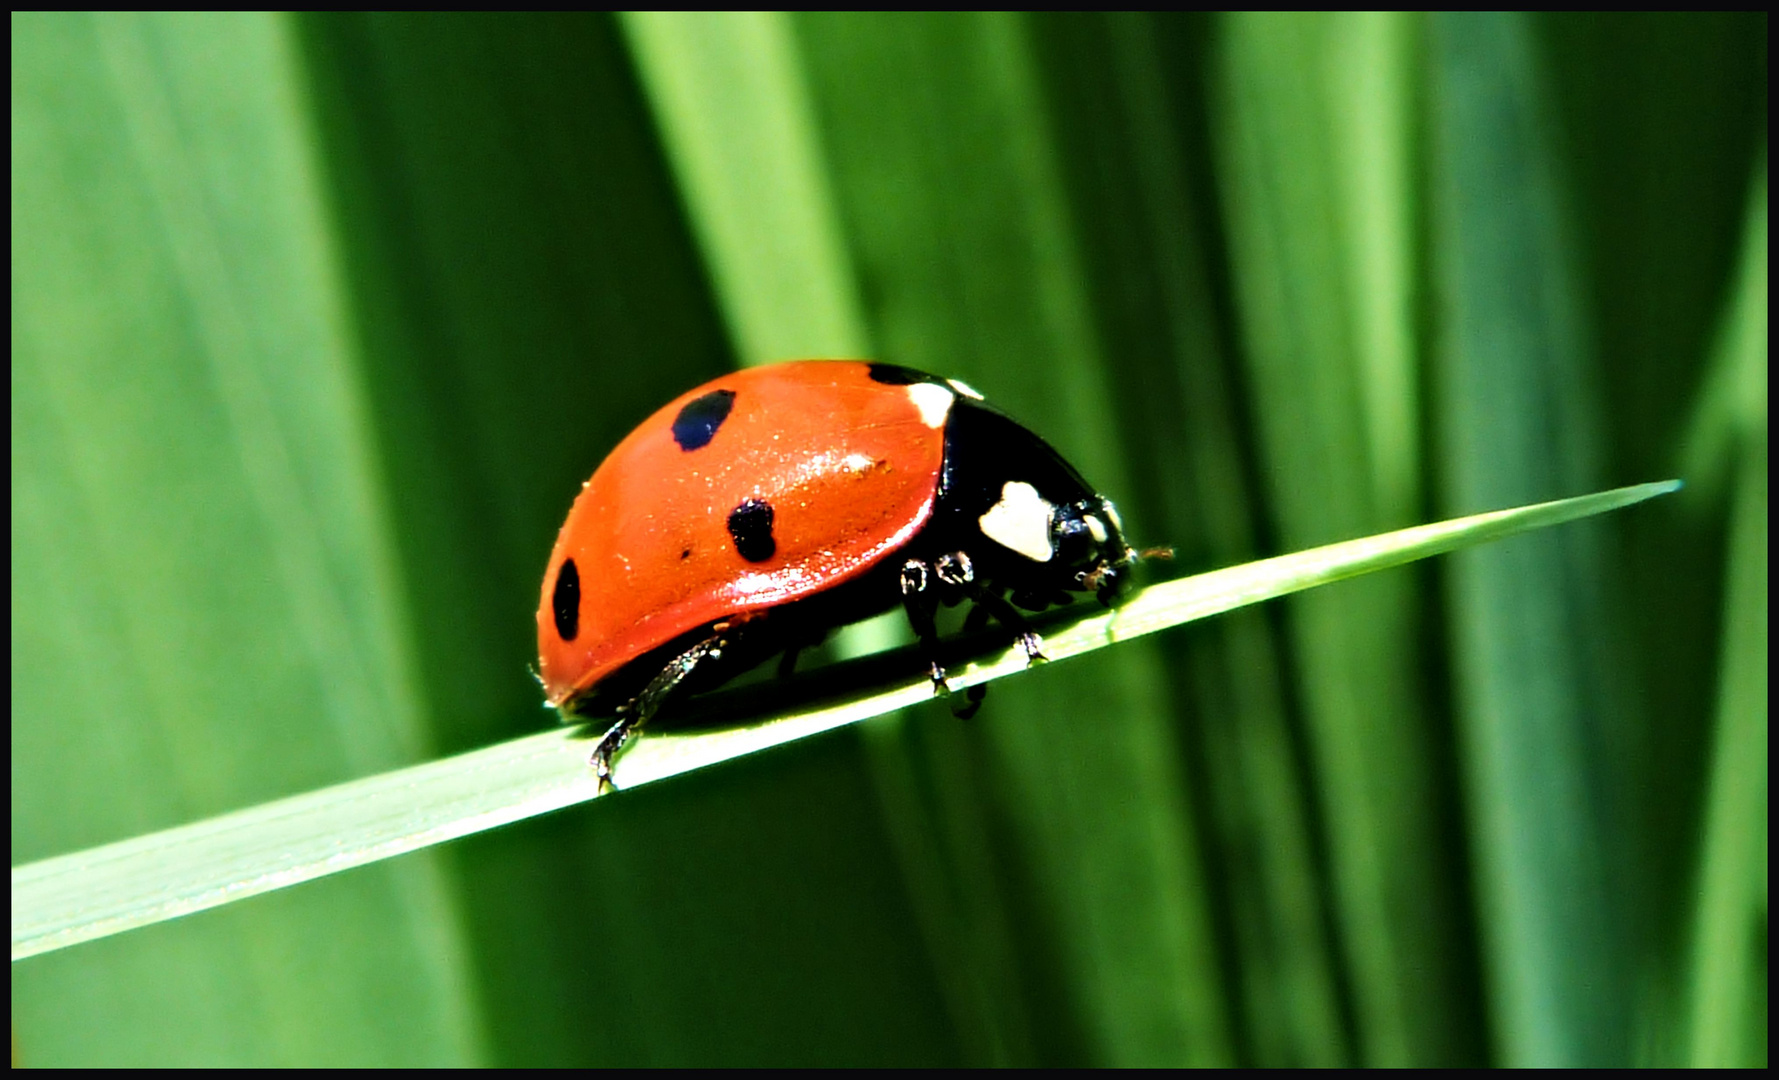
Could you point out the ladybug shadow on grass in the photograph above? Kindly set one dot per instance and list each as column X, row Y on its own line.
column 756, row 513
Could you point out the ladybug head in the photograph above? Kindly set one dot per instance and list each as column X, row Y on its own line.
column 1026, row 516
column 1091, row 554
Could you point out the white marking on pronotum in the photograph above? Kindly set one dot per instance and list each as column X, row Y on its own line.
column 1020, row 521
column 933, row 401
column 965, row 389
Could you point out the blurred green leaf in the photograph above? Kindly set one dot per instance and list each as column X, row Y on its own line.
column 1317, row 127
column 730, row 101
column 199, row 544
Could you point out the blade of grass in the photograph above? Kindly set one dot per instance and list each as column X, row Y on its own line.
column 728, row 94
column 91, row 894
column 1544, row 703
column 1315, row 120
column 1727, row 987
column 1727, row 991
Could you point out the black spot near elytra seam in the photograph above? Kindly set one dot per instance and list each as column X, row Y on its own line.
column 565, row 600
column 699, row 419
column 750, row 526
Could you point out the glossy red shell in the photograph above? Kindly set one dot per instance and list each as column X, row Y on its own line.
column 850, row 467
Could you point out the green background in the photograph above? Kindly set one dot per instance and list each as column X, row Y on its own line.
column 318, row 322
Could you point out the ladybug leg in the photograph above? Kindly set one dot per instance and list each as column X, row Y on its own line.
column 1008, row 615
column 794, row 647
column 607, row 747
column 955, row 570
column 920, row 598
column 974, row 621
column 637, row 711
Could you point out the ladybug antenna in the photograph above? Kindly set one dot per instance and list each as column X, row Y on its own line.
column 1132, row 556
column 1129, row 557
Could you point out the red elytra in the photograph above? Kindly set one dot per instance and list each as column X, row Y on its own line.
column 754, row 513
column 849, row 471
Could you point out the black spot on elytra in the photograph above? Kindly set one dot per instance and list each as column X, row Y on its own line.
column 895, row 375
column 699, row 419
column 750, row 526
column 685, row 553
column 565, row 600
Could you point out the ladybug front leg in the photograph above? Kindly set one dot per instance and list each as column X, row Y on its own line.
column 921, row 595
column 637, row 711
column 920, row 599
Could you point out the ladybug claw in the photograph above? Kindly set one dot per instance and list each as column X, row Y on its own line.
column 604, row 750
column 941, row 688
column 961, row 707
column 601, row 761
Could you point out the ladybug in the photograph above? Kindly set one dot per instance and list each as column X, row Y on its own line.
column 753, row 514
